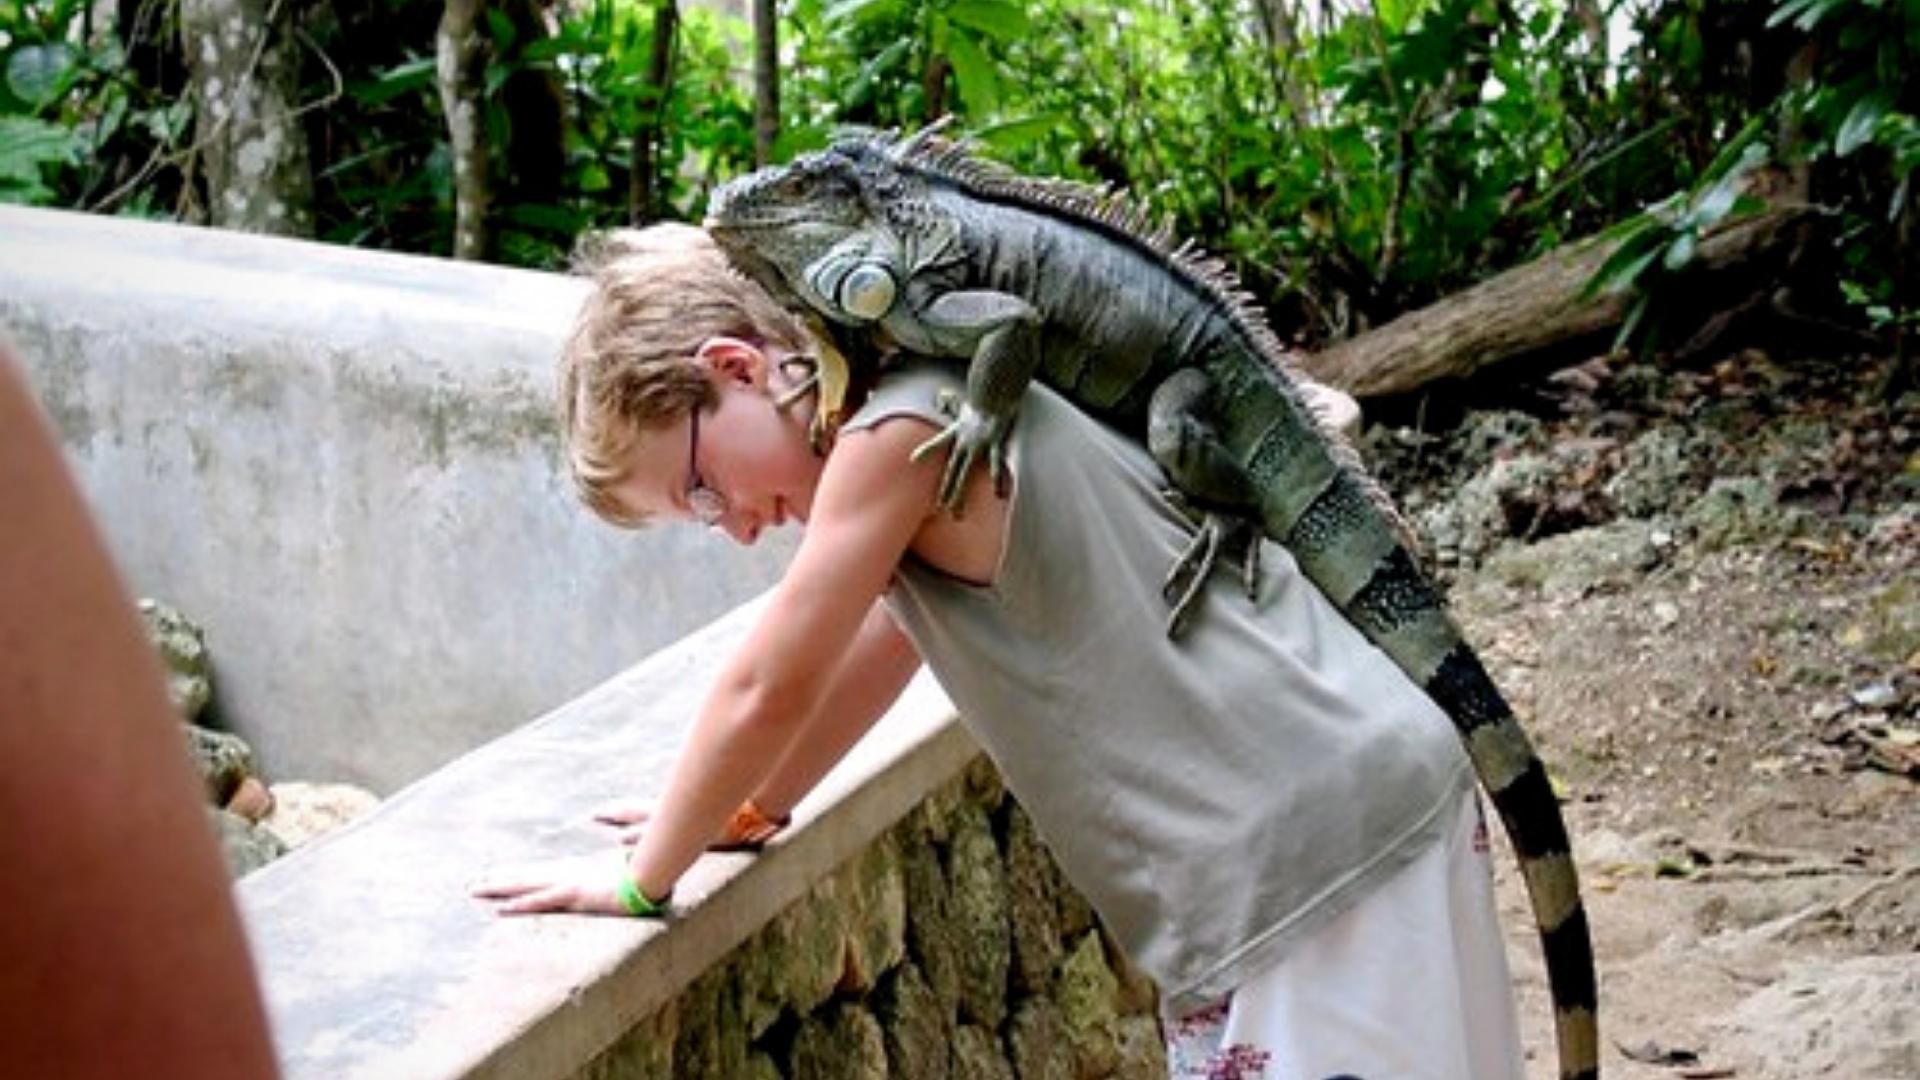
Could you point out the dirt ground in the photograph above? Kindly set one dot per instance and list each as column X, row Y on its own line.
column 1700, row 588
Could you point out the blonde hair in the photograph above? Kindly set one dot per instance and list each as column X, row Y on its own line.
column 659, row 294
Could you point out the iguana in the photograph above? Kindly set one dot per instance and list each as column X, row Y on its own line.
column 944, row 254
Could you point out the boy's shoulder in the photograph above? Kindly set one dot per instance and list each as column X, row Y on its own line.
column 916, row 387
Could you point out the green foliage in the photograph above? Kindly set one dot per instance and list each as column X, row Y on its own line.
column 1657, row 246
column 76, row 128
column 1858, row 98
column 1351, row 161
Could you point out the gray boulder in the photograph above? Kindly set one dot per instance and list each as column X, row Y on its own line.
column 182, row 647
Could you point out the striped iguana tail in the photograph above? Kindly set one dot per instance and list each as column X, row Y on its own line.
column 1334, row 525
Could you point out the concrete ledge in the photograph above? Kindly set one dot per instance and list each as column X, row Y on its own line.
column 377, row 964
column 342, row 463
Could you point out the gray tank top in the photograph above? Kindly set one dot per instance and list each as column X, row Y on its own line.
column 1214, row 798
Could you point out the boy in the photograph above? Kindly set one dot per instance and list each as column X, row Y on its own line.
column 1269, row 817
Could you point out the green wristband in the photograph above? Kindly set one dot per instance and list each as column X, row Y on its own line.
column 635, row 901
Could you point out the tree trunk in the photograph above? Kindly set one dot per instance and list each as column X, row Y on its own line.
column 933, row 88
column 460, row 69
column 536, row 108
column 643, row 184
column 244, row 75
column 766, row 80
column 1523, row 311
column 1283, row 42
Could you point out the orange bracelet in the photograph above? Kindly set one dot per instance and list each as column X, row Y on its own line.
column 749, row 829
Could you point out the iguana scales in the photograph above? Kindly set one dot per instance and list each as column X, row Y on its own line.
column 944, row 254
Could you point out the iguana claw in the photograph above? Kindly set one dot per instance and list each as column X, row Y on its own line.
column 969, row 433
column 1190, row 571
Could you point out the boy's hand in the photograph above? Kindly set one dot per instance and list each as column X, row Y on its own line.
column 588, row 885
column 748, row 829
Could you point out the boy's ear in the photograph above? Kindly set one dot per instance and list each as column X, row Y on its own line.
column 733, row 359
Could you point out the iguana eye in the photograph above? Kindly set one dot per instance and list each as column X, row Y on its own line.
column 867, row 291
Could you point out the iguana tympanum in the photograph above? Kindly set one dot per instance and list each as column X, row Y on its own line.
column 946, row 255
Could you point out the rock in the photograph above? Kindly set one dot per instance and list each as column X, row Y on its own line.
column 1143, row 1049
column 1662, row 470
column 183, row 653
column 711, row 1038
column 1487, row 436
column 245, row 846
column 809, row 940
column 1088, row 995
column 1139, row 994
column 222, row 760
column 916, row 1030
column 645, row 1052
column 1606, row 851
column 1875, row 695
column 760, row 1066
column 1527, row 495
column 978, row 901
column 1575, row 564
column 1852, row 1018
column 1038, row 1044
column 842, row 1042
column 304, row 812
column 251, row 800
column 931, row 931
column 1740, row 510
column 1035, row 922
column 977, row 1055
column 875, row 899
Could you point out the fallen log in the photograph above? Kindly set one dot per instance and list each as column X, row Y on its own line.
column 1521, row 312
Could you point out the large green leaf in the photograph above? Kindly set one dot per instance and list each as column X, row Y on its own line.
column 877, row 65
column 1625, row 265
column 979, row 84
column 1857, row 129
column 995, row 18
column 27, row 144
column 37, row 74
column 395, row 81
column 861, row 11
column 1014, row 134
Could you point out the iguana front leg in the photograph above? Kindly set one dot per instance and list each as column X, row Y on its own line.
column 1212, row 488
column 1001, row 333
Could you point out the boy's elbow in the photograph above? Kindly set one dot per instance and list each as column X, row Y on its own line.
column 766, row 706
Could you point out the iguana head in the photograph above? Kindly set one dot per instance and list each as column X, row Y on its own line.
column 823, row 228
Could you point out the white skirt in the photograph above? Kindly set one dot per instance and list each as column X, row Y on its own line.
column 1410, row 983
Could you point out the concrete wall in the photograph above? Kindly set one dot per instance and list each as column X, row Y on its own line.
column 342, row 464
column 908, row 924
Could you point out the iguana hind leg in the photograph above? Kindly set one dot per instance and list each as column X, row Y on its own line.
column 1211, row 488
column 1212, row 532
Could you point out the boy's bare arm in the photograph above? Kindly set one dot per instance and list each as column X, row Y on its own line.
column 871, row 502
column 870, row 677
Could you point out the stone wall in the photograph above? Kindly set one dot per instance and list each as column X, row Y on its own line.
column 950, row 948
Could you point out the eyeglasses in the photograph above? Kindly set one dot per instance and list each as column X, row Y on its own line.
column 708, row 505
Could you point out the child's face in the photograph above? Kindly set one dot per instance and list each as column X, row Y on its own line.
column 752, row 456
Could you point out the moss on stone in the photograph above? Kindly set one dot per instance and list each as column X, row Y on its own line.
column 1037, row 1042
column 842, row 1042
column 917, row 1030
column 978, row 1055
column 1088, row 995
column 1035, row 917
column 977, row 877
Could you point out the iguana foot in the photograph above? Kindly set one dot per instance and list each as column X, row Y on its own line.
column 969, row 433
column 1213, row 530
